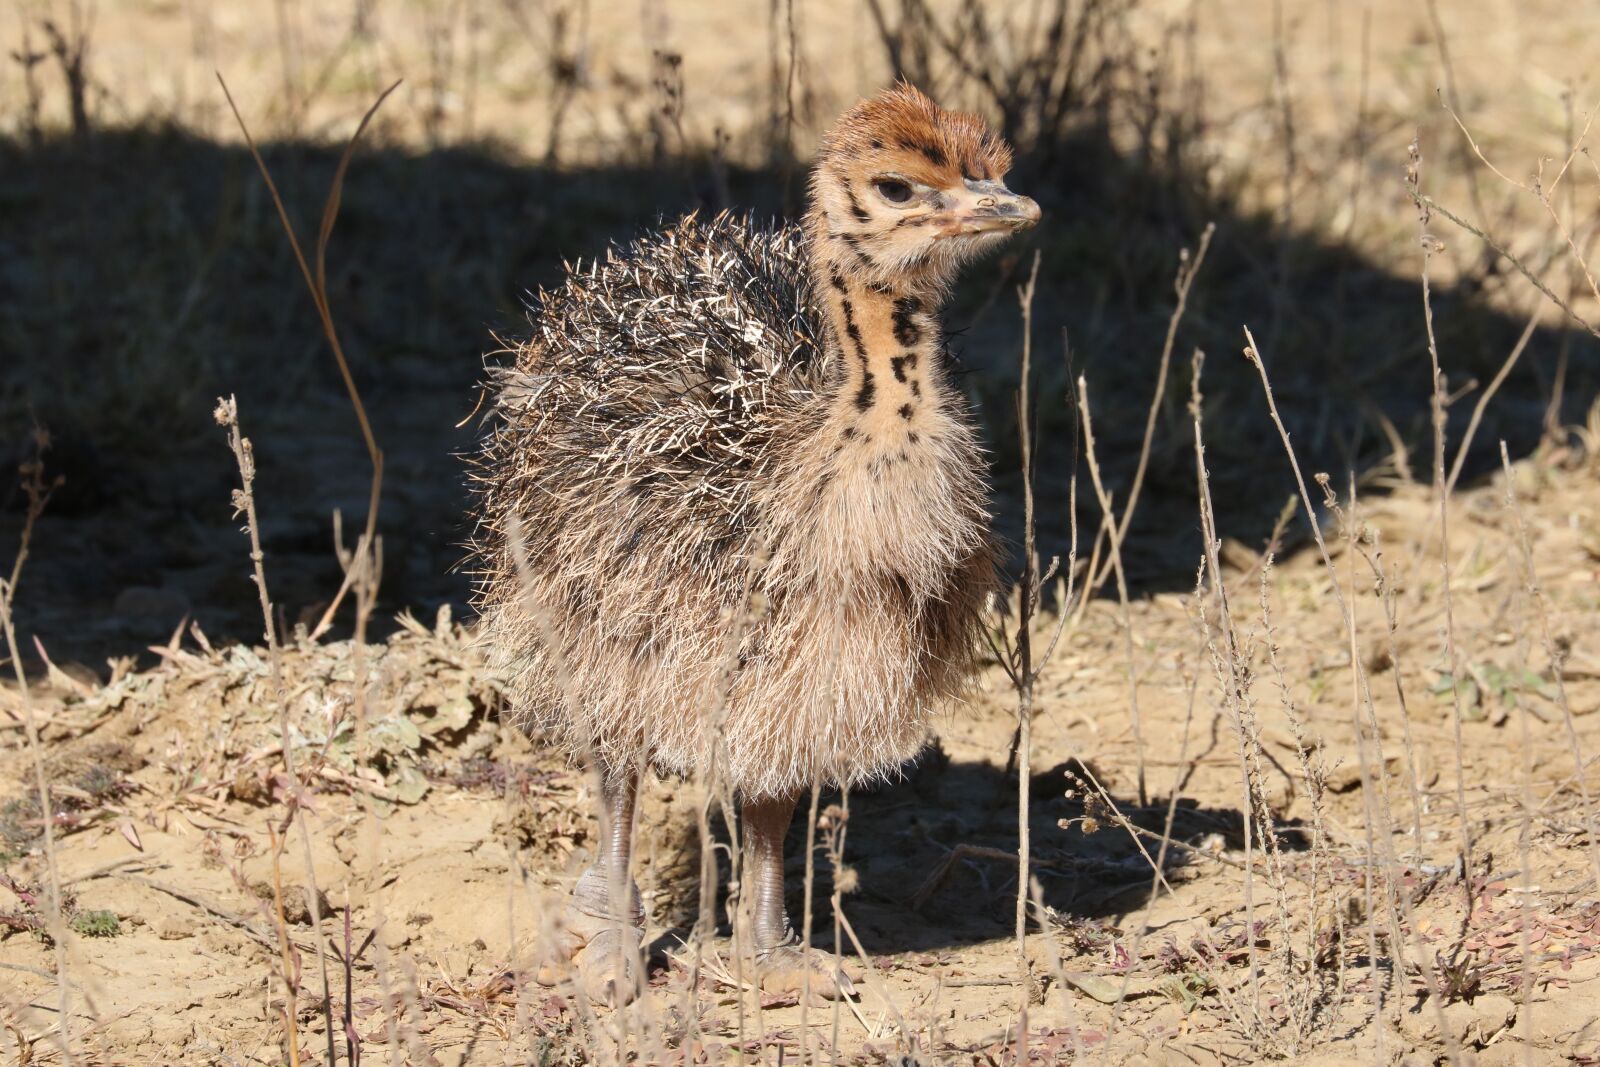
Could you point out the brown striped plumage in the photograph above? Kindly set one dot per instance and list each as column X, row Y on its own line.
column 732, row 513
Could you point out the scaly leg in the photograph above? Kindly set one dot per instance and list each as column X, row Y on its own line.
column 604, row 923
column 779, row 957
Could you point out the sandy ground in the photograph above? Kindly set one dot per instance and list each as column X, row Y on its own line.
column 452, row 844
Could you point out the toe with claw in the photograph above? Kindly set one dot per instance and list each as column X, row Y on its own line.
column 784, row 970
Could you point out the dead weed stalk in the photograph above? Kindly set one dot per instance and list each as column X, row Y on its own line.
column 38, row 492
column 1015, row 648
column 1231, row 654
column 1182, row 283
column 1108, row 525
column 244, row 503
column 1439, row 406
column 1555, row 651
column 1367, row 733
column 362, row 566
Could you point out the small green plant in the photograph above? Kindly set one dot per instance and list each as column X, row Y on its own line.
column 18, row 825
column 1459, row 976
column 1482, row 681
column 1187, row 989
column 30, row 915
column 97, row 922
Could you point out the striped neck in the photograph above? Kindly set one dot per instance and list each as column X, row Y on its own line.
column 889, row 342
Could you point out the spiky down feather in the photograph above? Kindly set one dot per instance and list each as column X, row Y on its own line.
column 703, row 580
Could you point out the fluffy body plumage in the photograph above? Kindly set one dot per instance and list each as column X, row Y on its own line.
column 732, row 508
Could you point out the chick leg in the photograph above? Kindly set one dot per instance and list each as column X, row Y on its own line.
column 604, row 923
column 781, row 960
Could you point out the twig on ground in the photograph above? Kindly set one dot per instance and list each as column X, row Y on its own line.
column 265, row 938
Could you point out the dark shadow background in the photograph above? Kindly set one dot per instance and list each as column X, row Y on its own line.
column 934, row 856
column 145, row 274
column 926, row 882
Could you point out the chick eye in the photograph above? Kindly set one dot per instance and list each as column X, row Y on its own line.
column 892, row 190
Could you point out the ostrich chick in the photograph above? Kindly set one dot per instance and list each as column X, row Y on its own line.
column 732, row 512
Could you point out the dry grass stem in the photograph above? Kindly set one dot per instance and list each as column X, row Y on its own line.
column 1023, row 668
column 1370, row 773
column 244, row 502
column 1441, row 491
column 1188, row 268
column 1428, row 203
column 1230, row 664
column 1487, row 395
column 1114, row 535
column 1553, row 650
column 38, row 493
column 1538, row 189
column 317, row 284
column 362, row 567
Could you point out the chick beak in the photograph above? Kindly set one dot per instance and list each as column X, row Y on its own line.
column 987, row 206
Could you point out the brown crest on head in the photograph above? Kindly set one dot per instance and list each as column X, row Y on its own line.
column 926, row 142
column 903, row 191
